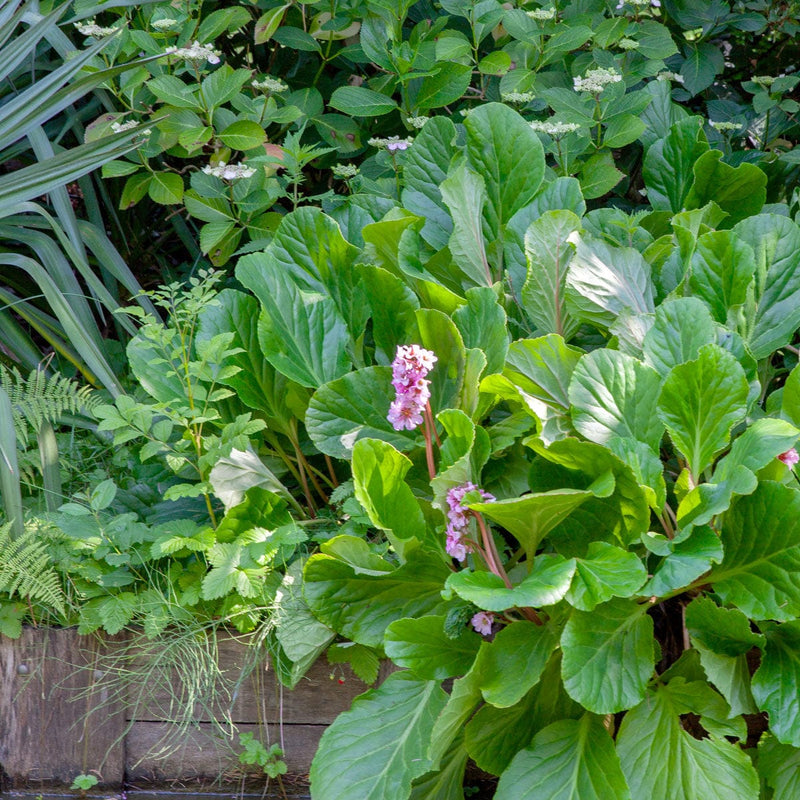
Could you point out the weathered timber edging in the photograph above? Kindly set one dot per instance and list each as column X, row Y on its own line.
column 62, row 715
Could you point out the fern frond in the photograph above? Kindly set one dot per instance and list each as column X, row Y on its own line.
column 39, row 399
column 27, row 570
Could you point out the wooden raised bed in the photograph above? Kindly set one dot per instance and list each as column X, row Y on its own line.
column 60, row 716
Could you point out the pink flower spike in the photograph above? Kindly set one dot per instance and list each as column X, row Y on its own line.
column 482, row 622
column 790, row 458
column 404, row 415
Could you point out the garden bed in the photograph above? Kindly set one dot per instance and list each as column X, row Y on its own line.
column 67, row 716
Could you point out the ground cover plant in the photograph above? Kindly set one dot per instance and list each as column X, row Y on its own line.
column 503, row 387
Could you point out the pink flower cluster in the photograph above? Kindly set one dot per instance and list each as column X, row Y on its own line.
column 482, row 622
column 458, row 519
column 409, row 368
column 790, row 458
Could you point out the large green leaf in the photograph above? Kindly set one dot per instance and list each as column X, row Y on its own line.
column 258, row 384
column 568, row 760
column 548, row 252
column 604, row 281
column 537, row 375
column 668, row 163
column 504, row 150
column 483, row 324
column 776, row 683
column 686, row 558
column 779, row 766
column 723, row 637
column 495, row 735
column 760, row 573
column 378, row 477
column 560, row 194
column 464, row 193
column 425, row 167
column 513, row 662
column 662, row 761
column 377, row 748
column 446, row 782
column 700, row 402
column 609, row 656
column 301, row 333
column 546, row 584
column 422, row 646
column 613, row 394
column 531, row 517
column 439, row 333
column 359, row 597
column 739, row 191
column 393, row 307
column 624, row 514
column 355, row 407
column 681, row 327
column 776, row 243
column 606, row 572
column 309, row 246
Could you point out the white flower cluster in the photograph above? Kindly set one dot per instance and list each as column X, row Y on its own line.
column 270, row 85
column 417, row 122
column 628, row 44
column 555, row 129
column 596, row 80
column 119, row 127
column 165, row 24
column 345, row 170
column 517, row 97
column 196, row 54
column 393, row 144
column 764, row 81
column 91, row 28
column 542, row 14
column 638, row 3
column 669, row 76
column 229, row 172
column 725, row 127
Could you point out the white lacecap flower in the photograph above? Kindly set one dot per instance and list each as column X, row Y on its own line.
column 763, row 80
column 229, row 172
column 393, row 144
column 345, row 170
column 725, row 127
column 596, row 80
column 417, row 122
column 270, row 85
column 628, row 44
column 555, row 129
column 164, row 24
column 517, row 97
column 196, row 54
column 119, row 127
column 91, row 28
column 542, row 14
column 669, row 76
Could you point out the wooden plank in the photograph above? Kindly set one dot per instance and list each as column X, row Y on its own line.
column 318, row 698
column 204, row 752
column 55, row 721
